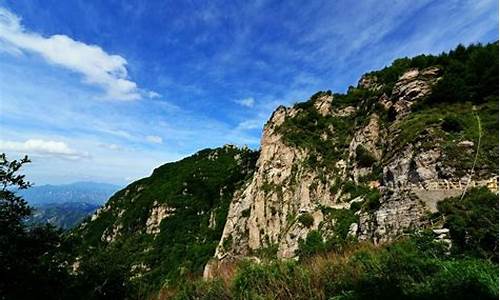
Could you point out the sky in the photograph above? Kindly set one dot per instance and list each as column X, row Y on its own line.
column 108, row 90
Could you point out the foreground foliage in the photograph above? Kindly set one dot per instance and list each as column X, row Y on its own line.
column 30, row 258
column 403, row 270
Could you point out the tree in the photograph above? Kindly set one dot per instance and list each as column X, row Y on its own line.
column 30, row 264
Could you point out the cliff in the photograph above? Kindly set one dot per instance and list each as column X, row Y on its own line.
column 371, row 164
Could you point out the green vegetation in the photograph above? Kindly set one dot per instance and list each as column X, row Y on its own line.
column 371, row 196
column 306, row 219
column 31, row 260
column 313, row 244
column 469, row 73
column 196, row 189
column 364, row 157
column 402, row 270
column 473, row 223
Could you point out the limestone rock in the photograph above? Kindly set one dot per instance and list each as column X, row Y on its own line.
column 324, row 105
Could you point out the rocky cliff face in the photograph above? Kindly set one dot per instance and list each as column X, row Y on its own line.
column 263, row 213
column 366, row 156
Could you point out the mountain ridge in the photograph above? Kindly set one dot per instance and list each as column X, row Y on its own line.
column 337, row 168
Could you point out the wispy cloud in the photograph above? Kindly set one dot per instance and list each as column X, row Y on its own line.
column 96, row 66
column 153, row 94
column 154, row 139
column 43, row 148
column 249, row 124
column 247, row 102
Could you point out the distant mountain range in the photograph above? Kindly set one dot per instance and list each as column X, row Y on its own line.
column 63, row 215
column 87, row 192
column 66, row 205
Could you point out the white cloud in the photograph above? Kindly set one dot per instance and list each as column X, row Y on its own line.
column 42, row 147
column 153, row 94
column 97, row 67
column 154, row 139
column 247, row 102
column 250, row 124
column 111, row 146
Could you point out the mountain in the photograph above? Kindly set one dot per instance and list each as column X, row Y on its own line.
column 83, row 192
column 369, row 166
column 62, row 215
column 168, row 224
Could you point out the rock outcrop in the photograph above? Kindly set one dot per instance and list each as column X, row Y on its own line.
column 266, row 212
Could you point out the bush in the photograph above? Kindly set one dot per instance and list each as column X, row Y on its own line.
column 277, row 280
column 245, row 213
column 364, row 157
column 208, row 290
column 452, row 124
column 405, row 269
column 306, row 219
column 313, row 244
column 473, row 223
column 373, row 200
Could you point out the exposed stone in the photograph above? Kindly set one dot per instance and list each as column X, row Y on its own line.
column 157, row 214
column 264, row 212
column 353, row 230
column 466, row 144
column 324, row 105
column 369, row 82
column 397, row 213
column 412, row 86
column 344, row 112
column 441, row 231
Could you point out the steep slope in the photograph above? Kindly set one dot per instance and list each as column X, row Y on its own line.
column 63, row 215
column 370, row 164
column 162, row 226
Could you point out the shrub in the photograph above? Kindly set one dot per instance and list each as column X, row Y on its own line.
column 364, row 157
column 208, row 290
column 405, row 269
column 306, row 219
column 313, row 244
column 277, row 280
column 451, row 124
column 245, row 213
column 473, row 223
column 373, row 200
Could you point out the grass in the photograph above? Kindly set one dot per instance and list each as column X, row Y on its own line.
column 363, row 271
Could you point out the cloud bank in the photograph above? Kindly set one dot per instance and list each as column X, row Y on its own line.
column 43, row 148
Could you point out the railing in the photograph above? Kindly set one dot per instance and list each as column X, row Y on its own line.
column 444, row 184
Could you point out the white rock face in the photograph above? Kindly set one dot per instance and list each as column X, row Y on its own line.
column 368, row 137
column 265, row 212
column 157, row 214
column 411, row 87
column 324, row 105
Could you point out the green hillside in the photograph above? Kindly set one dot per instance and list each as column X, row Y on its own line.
column 196, row 189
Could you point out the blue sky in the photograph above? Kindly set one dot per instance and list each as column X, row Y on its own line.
column 108, row 90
